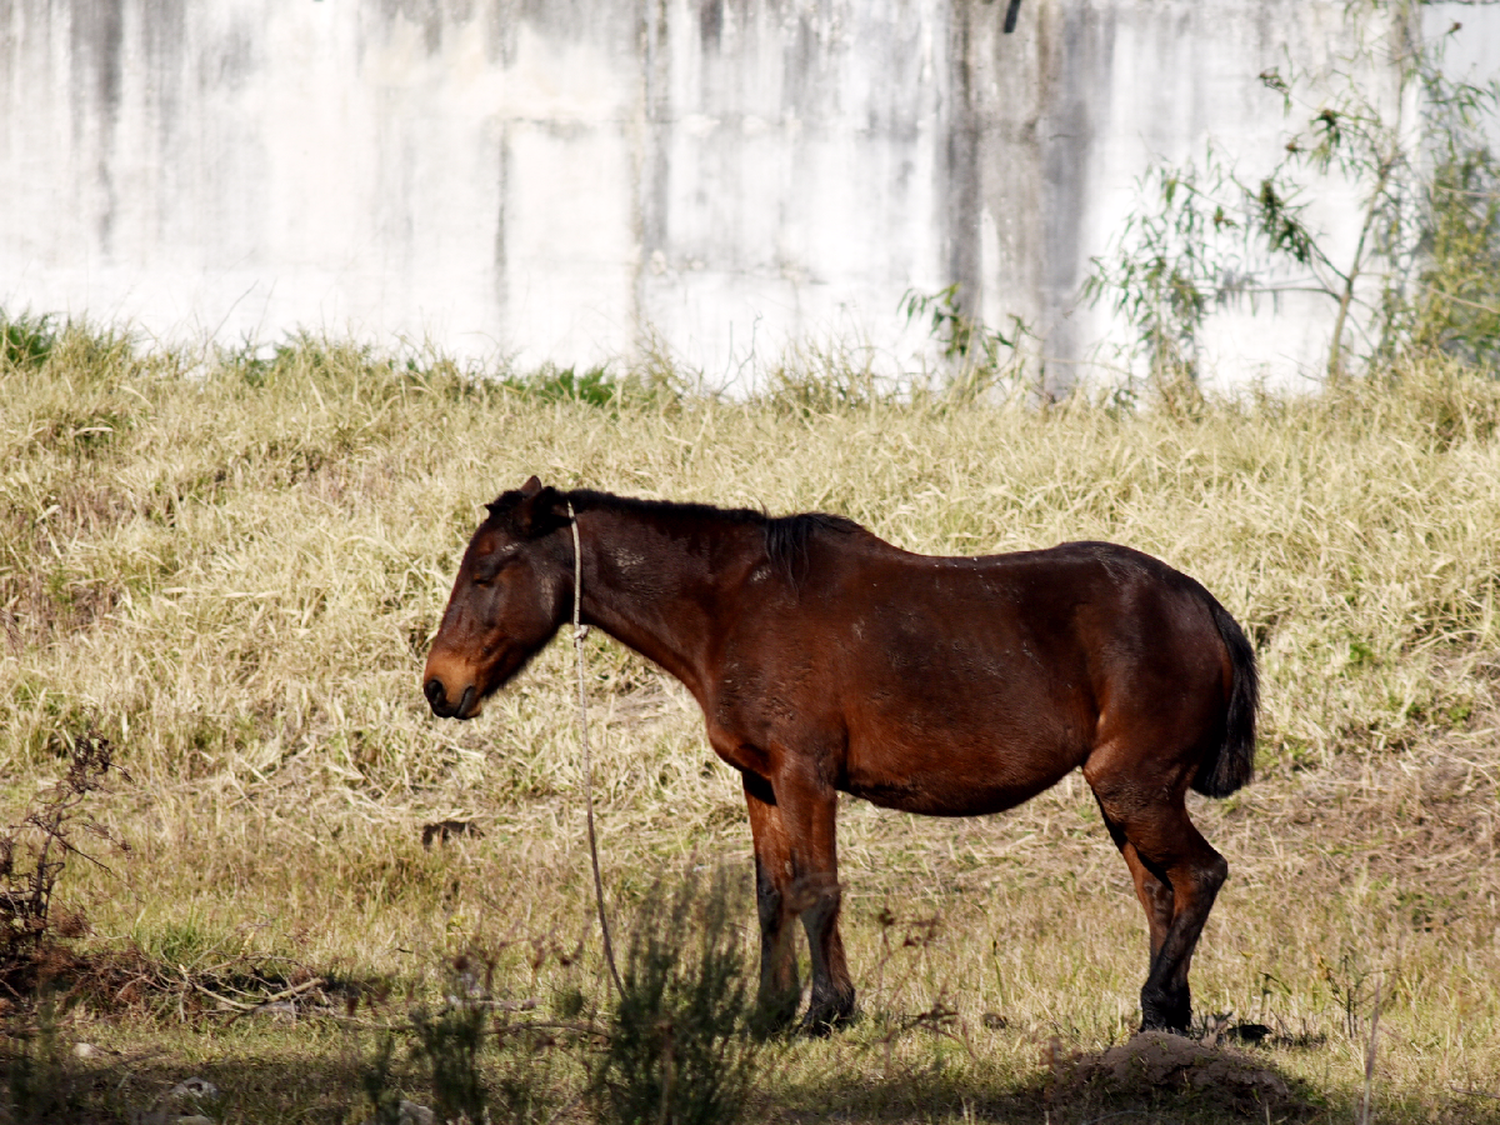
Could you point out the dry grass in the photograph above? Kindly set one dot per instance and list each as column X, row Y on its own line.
column 232, row 575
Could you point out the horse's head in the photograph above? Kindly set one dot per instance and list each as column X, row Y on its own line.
column 512, row 592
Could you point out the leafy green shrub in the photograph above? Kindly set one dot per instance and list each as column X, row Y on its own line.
column 596, row 386
column 26, row 341
column 1424, row 273
column 680, row 1048
column 1455, row 306
column 981, row 355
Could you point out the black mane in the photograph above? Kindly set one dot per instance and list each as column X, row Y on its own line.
column 786, row 537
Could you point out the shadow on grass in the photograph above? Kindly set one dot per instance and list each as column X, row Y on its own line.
column 1154, row 1076
column 319, row 1088
column 1157, row 1079
column 310, row 1070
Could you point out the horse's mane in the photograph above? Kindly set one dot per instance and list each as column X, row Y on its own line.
column 786, row 537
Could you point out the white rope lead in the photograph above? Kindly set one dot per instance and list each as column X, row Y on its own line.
column 580, row 631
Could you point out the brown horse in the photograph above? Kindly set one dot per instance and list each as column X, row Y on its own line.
column 826, row 659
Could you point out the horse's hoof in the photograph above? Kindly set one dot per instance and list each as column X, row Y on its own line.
column 1164, row 1010
column 770, row 1019
column 823, row 1020
column 1168, row 1028
column 1177, row 1022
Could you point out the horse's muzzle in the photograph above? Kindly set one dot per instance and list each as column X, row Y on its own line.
column 437, row 698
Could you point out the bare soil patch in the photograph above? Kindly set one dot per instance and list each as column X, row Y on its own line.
column 1156, row 1070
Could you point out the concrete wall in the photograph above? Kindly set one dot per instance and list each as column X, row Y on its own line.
column 578, row 180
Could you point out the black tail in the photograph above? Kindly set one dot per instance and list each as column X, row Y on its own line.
column 1233, row 763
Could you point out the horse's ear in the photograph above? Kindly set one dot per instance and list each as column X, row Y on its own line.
column 542, row 511
column 530, row 488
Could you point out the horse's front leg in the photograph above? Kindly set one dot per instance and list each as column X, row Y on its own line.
column 780, row 991
column 796, row 875
column 809, row 810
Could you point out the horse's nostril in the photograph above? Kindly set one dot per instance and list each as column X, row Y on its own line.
column 436, row 695
column 465, row 703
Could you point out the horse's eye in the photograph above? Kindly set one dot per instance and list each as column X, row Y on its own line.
column 486, row 571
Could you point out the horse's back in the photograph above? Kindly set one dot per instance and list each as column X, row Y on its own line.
column 966, row 685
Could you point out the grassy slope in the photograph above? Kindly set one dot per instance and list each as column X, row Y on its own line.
column 233, row 576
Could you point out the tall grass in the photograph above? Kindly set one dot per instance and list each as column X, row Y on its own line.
column 237, row 576
column 231, row 572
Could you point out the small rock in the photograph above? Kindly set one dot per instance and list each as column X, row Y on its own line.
column 1248, row 1032
column 283, row 1011
column 86, row 1051
column 198, row 1088
column 409, row 1113
column 445, row 830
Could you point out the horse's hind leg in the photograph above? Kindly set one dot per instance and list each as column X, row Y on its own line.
column 1154, row 891
column 1177, row 876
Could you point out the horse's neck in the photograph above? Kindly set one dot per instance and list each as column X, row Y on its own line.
column 644, row 588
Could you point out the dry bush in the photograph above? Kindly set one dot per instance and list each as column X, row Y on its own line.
column 33, row 855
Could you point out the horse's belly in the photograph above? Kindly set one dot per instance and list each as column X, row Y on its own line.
column 956, row 783
column 966, row 746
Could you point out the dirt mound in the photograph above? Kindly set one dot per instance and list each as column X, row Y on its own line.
column 1155, row 1065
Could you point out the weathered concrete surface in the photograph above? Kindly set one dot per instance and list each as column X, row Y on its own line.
column 580, row 180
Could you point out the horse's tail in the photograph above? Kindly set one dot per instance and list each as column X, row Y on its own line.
column 1232, row 763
